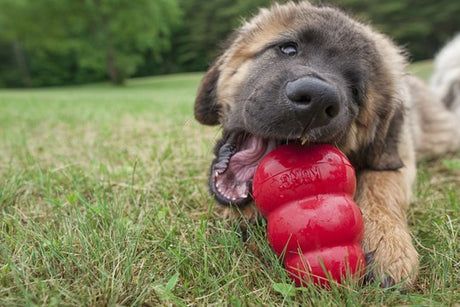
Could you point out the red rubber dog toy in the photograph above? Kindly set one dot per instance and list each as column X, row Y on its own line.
column 306, row 194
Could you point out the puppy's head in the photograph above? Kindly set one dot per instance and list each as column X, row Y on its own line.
column 299, row 73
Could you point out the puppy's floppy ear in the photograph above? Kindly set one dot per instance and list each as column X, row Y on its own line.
column 383, row 154
column 206, row 106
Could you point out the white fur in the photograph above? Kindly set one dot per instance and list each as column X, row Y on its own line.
column 446, row 75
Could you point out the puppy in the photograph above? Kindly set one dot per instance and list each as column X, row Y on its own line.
column 301, row 73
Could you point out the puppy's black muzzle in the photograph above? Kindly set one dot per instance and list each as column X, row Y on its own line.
column 313, row 99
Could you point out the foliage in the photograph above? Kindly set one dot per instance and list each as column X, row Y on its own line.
column 51, row 42
column 66, row 41
column 206, row 26
column 421, row 26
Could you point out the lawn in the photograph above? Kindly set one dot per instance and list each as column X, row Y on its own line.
column 104, row 201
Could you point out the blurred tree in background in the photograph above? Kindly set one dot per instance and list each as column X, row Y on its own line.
column 50, row 42
column 422, row 27
column 206, row 27
column 54, row 42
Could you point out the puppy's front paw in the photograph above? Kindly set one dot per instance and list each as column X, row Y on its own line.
column 390, row 256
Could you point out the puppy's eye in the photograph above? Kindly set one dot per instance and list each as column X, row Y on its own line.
column 355, row 91
column 357, row 95
column 289, row 49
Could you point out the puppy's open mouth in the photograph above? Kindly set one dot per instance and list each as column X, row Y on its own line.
column 234, row 167
column 238, row 154
column 237, row 157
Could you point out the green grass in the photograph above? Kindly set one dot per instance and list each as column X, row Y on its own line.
column 104, row 201
column 423, row 69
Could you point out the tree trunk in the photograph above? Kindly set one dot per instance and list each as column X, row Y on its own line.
column 112, row 66
column 110, row 55
column 21, row 63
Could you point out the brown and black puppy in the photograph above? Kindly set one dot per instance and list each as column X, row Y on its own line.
column 300, row 73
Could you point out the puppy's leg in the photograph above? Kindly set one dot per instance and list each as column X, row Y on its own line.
column 383, row 197
column 241, row 218
column 248, row 214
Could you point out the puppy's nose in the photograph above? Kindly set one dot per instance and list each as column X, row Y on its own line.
column 315, row 98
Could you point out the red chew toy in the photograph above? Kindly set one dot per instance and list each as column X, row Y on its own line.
column 306, row 194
